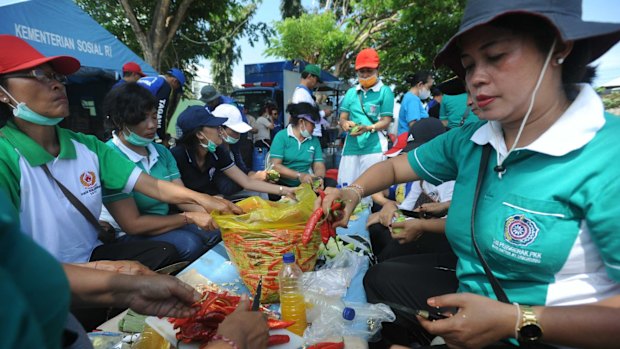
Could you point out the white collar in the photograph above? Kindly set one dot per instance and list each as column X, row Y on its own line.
column 289, row 132
column 132, row 155
column 574, row 129
column 376, row 87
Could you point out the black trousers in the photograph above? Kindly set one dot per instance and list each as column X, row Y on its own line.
column 409, row 281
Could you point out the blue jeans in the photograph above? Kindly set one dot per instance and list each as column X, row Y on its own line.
column 190, row 241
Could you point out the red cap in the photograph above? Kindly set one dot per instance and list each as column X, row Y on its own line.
column 17, row 54
column 133, row 67
column 367, row 58
column 399, row 145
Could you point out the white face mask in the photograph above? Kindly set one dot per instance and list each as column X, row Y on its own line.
column 425, row 94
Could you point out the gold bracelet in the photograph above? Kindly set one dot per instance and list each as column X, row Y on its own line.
column 349, row 188
column 358, row 187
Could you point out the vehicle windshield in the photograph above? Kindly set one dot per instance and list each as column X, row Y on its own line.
column 252, row 100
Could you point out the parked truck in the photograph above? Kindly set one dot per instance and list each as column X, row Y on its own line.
column 274, row 81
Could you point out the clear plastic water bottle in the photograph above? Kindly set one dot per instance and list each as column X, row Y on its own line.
column 292, row 302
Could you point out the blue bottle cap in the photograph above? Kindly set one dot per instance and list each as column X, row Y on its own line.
column 288, row 257
column 348, row 313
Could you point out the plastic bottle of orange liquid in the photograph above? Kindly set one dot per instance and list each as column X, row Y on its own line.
column 292, row 302
column 150, row 339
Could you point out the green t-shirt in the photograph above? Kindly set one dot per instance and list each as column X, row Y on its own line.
column 452, row 109
column 164, row 167
column 296, row 155
column 378, row 103
column 549, row 228
column 34, row 292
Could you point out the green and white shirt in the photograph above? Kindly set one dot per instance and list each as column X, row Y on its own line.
column 549, row 228
column 378, row 103
column 296, row 155
column 83, row 166
column 159, row 163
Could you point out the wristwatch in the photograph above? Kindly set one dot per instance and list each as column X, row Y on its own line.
column 530, row 330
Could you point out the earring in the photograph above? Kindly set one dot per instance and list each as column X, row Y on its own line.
column 560, row 60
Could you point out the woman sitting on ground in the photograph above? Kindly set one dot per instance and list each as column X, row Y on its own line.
column 132, row 110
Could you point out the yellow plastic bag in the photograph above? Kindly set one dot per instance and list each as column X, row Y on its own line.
column 255, row 241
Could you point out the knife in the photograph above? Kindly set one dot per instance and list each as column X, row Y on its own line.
column 172, row 268
column 259, row 289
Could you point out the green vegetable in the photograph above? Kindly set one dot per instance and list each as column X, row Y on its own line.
column 399, row 218
column 273, row 175
column 316, row 184
column 132, row 322
column 355, row 129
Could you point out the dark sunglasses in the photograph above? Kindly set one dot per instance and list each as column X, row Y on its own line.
column 39, row 74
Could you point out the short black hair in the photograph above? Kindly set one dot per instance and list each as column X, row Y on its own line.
column 295, row 109
column 419, row 77
column 436, row 92
column 128, row 104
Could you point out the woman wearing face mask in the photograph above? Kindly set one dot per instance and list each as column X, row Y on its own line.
column 294, row 152
column 232, row 130
column 34, row 99
column 199, row 156
column 534, row 213
column 366, row 111
column 132, row 110
column 411, row 107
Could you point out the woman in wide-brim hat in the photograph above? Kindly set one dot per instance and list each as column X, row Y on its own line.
column 546, row 218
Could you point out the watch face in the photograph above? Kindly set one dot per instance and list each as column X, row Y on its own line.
column 530, row 332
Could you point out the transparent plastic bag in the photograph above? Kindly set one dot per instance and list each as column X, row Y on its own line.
column 334, row 277
column 330, row 317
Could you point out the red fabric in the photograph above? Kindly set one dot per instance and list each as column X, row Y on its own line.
column 367, row 58
column 133, row 67
column 19, row 55
column 332, row 173
column 399, row 145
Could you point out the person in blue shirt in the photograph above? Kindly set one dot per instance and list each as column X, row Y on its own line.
column 132, row 72
column 411, row 107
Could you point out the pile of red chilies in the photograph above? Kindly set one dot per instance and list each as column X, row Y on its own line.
column 213, row 309
column 323, row 218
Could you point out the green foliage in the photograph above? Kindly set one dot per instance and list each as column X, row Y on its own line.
column 314, row 38
column 291, row 8
column 406, row 33
column 612, row 100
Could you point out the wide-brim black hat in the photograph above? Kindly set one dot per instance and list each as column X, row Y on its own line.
column 564, row 16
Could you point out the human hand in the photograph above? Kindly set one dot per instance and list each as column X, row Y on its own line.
column 479, row 321
column 259, row 176
column 435, row 209
column 203, row 220
column 388, row 212
column 348, row 197
column 410, row 231
column 248, row 329
column 306, row 178
column 359, row 130
column 121, row 267
column 157, row 295
column 321, row 184
column 289, row 192
column 214, row 203
column 372, row 219
column 347, row 125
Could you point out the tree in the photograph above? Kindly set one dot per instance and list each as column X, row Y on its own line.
column 406, row 34
column 178, row 33
column 291, row 9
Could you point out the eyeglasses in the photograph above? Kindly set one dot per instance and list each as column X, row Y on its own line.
column 41, row 75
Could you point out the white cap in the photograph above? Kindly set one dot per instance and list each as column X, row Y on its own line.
column 234, row 122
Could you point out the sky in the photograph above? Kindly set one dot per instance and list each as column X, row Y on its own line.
column 269, row 12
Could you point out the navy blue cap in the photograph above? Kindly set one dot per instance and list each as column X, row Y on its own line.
column 178, row 74
column 288, row 257
column 198, row 116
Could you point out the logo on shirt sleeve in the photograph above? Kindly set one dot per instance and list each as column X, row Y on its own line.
column 520, row 230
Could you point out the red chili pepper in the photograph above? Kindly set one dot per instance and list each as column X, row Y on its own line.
column 321, row 194
column 311, row 225
column 327, row 345
column 325, row 231
column 279, row 324
column 278, row 339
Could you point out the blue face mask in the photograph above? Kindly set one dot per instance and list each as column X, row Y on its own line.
column 210, row 146
column 23, row 112
column 136, row 140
